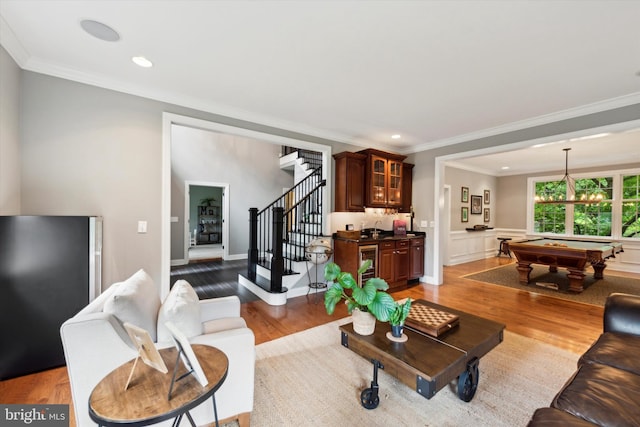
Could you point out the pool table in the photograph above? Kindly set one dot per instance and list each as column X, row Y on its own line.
column 570, row 254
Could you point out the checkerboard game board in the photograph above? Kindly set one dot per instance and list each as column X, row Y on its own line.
column 430, row 320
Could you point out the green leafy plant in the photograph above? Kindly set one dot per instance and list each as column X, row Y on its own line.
column 370, row 297
column 400, row 312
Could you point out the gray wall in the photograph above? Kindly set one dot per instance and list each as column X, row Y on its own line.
column 9, row 135
column 250, row 167
column 477, row 183
column 511, row 206
column 89, row 151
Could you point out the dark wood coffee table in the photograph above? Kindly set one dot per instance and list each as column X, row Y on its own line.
column 425, row 363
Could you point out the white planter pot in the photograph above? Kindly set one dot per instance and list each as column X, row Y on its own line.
column 363, row 322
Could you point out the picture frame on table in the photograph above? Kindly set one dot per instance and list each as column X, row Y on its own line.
column 487, row 197
column 464, row 214
column 476, row 205
column 187, row 355
column 464, row 195
column 487, row 215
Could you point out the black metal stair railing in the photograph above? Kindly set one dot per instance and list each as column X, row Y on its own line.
column 290, row 223
column 312, row 158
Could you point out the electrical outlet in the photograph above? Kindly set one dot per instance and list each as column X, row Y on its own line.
column 424, row 224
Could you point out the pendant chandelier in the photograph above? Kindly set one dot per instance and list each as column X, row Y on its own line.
column 570, row 190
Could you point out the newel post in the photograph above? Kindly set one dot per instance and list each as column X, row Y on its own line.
column 253, row 244
column 277, row 261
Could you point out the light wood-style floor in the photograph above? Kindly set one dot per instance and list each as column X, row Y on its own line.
column 568, row 325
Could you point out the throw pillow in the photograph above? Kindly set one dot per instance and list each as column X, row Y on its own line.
column 136, row 301
column 182, row 308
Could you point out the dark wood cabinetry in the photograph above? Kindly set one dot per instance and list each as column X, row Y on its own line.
column 393, row 265
column 350, row 182
column 407, row 187
column 399, row 260
column 371, row 178
column 416, row 259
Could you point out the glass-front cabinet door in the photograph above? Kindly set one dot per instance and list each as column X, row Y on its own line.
column 378, row 180
column 383, row 179
column 394, row 189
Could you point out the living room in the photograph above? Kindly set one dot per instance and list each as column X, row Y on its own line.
column 80, row 141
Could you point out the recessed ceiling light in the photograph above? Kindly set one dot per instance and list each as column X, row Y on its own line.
column 99, row 30
column 396, row 136
column 504, row 168
column 142, row 61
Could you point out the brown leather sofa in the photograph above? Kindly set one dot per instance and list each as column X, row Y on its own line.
column 605, row 390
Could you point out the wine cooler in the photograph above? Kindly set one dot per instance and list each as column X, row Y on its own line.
column 368, row 252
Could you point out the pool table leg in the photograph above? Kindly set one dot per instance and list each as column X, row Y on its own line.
column 576, row 280
column 598, row 269
column 524, row 269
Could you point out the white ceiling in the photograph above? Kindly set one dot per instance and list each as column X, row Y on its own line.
column 436, row 72
column 585, row 152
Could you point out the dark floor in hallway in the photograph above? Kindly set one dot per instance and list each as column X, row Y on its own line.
column 213, row 279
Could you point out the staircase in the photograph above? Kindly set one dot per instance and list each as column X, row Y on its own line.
column 277, row 266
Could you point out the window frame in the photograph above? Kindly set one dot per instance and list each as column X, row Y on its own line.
column 616, row 205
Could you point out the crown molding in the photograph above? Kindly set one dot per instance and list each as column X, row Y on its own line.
column 10, row 42
column 104, row 82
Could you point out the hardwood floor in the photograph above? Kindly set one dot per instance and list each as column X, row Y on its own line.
column 568, row 325
column 214, row 278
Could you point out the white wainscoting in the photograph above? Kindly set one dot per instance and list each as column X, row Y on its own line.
column 628, row 261
column 466, row 246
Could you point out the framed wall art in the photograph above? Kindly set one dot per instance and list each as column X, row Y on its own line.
column 476, row 205
column 486, row 215
column 464, row 214
column 487, row 197
column 464, row 196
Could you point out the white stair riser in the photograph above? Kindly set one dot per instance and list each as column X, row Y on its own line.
column 295, row 280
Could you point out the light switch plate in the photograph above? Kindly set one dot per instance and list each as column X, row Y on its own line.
column 142, row 226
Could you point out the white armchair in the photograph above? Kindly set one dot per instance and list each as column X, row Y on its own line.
column 95, row 343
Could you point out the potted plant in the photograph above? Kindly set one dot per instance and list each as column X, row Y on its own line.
column 365, row 304
column 207, row 201
column 398, row 316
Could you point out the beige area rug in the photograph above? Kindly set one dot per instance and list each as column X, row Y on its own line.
column 309, row 379
column 596, row 291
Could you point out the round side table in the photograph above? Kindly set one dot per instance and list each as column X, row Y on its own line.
column 145, row 400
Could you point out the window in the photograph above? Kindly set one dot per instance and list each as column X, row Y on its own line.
column 631, row 206
column 550, row 219
column 616, row 216
column 593, row 220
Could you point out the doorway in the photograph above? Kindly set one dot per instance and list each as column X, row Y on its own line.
column 206, row 209
column 168, row 121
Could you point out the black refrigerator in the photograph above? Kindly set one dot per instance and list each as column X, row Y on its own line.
column 50, row 268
